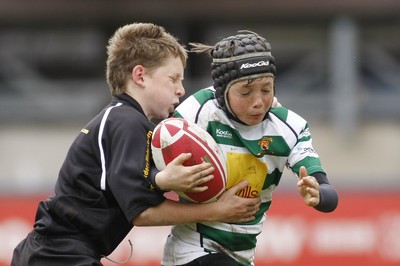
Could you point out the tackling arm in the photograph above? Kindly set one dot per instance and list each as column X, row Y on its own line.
column 228, row 208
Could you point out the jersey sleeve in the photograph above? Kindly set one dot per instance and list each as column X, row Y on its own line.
column 303, row 153
column 129, row 164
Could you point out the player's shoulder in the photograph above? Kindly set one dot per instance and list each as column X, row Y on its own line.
column 289, row 119
column 124, row 112
column 280, row 112
column 123, row 118
column 285, row 114
column 189, row 108
column 204, row 94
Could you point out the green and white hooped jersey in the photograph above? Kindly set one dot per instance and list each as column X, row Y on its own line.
column 258, row 154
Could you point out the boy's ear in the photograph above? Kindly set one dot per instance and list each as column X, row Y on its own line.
column 138, row 75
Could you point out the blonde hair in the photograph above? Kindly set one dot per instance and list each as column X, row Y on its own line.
column 135, row 44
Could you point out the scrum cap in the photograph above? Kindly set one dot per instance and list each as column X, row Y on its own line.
column 239, row 57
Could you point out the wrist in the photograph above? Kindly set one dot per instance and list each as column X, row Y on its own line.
column 157, row 183
column 214, row 214
column 328, row 198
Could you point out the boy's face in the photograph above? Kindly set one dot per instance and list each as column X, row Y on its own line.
column 251, row 101
column 165, row 87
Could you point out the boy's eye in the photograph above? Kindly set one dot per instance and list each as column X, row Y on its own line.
column 176, row 79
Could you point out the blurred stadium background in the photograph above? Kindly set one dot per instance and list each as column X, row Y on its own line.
column 338, row 66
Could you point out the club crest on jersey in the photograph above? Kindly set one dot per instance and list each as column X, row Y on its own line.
column 264, row 145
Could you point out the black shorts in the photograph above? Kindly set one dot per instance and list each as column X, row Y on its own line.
column 38, row 250
column 214, row 259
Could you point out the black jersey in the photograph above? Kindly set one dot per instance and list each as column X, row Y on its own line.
column 103, row 183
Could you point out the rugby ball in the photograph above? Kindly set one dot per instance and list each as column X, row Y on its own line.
column 174, row 136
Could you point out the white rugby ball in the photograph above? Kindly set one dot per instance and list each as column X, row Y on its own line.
column 174, row 136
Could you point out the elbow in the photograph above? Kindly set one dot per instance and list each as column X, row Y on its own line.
column 138, row 222
column 142, row 219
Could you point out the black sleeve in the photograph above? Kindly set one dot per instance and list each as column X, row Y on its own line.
column 126, row 152
column 152, row 178
column 329, row 198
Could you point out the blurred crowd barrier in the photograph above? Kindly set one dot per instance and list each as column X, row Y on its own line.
column 364, row 230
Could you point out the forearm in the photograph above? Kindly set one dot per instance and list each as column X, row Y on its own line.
column 229, row 208
column 328, row 197
column 172, row 212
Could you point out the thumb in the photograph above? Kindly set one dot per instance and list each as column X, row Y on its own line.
column 302, row 172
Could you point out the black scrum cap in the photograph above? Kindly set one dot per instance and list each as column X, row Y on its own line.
column 240, row 57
